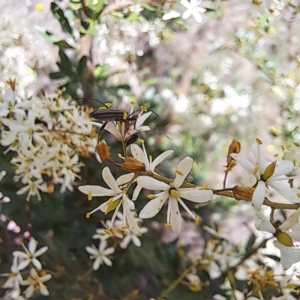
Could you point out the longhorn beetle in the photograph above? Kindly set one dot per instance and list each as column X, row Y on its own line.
column 106, row 114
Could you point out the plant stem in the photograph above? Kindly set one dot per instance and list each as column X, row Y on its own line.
column 174, row 284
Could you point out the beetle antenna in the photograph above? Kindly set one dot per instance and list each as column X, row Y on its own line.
column 84, row 98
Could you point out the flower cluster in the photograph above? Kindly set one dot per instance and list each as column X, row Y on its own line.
column 117, row 235
column 172, row 191
column 47, row 133
column 269, row 175
column 36, row 277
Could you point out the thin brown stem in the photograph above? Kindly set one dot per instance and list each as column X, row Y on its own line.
column 177, row 281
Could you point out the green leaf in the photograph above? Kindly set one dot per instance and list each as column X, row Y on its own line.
column 148, row 7
column 65, row 64
column 100, row 71
column 90, row 30
column 75, row 4
column 46, row 34
column 82, row 65
column 63, row 45
column 56, row 75
column 99, row 7
column 59, row 15
column 117, row 14
column 214, row 13
column 250, row 243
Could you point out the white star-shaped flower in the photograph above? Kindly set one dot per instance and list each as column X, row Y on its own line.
column 36, row 283
column 100, row 255
column 14, row 279
column 118, row 198
column 193, row 9
column 268, row 175
column 30, row 255
column 150, row 165
column 173, row 193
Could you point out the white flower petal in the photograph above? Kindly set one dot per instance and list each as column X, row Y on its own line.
column 109, row 251
column 288, row 193
column 197, row 196
column 44, row 291
column 185, row 3
column 291, row 220
column 136, row 241
column 32, row 245
column 91, row 250
column 184, row 168
column 124, row 244
column 150, row 183
column 160, row 158
column 111, row 127
column 264, row 225
column 289, row 255
column 259, row 195
column 136, row 192
column 41, row 251
column 197, row 15
column 153, row 206
column 24, row 264
column 244, row 162
column 96, row 191
column 140, row 120
column 107, row 261
column 124, row 178
column 96, row 264
column 20, row 254
column 175, row 215
column 37, row 263
column 29, row 291
column 110, row 180
column 132, row 222
column 262, row 162
column 295, row 233
column 283, row 168
column 138, row 153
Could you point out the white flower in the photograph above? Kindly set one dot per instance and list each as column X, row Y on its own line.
column 267, row 175
column 101, row 234
column 130, row 236
column 174, row 193
column 9, row 104
column 150, row 165
column 142, row 156
column 118, row 198
column 293, row 154
column 100, row 255
column 14, row 279
column 30, row 255
column 193, row 9
column 36, row 283
column 289, row 255
column 173, row 14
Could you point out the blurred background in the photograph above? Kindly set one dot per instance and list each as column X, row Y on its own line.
column 235, row 74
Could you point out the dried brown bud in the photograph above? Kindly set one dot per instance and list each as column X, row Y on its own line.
column 103, row 151
column 50, row 188
column 12, row 83
column 85, row 151
column 234, row 147
column 131, row 164
column 243, row 193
